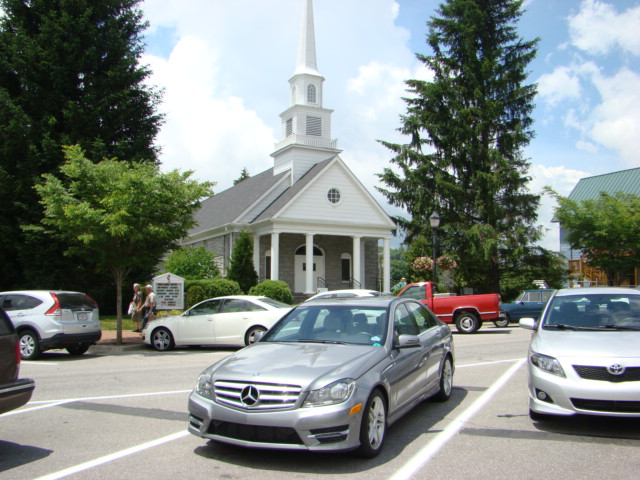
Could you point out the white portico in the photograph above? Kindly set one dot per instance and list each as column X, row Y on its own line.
column 313, row 222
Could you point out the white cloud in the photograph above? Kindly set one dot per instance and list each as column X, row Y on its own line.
column 615, row 123
column 598, row 28
column 561, row 84
column 225, row 80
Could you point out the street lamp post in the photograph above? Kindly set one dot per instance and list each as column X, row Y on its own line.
column 434, row 220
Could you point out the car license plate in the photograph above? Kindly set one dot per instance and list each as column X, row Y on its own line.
column 83, row 317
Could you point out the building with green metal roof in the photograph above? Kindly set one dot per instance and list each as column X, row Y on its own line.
column 625, row 181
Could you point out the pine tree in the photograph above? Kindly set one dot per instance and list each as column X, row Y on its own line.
column 69, row 74
column 241, row 269
column 467, row 128
column 243, row 176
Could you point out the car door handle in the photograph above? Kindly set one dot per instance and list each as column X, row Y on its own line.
column 423, row 361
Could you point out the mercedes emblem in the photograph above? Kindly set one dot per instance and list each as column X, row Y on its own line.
column 250, row 396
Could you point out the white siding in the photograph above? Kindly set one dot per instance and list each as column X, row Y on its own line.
column 355, row 207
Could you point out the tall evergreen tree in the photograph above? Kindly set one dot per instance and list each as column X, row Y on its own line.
column 467, row 128
column 69, row 74
column 241, row 269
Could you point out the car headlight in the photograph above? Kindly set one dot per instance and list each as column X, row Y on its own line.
column 332, row 394
column 547, row 364
column 204, row 387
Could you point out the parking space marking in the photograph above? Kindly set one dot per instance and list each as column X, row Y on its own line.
column 114, row 456
column 54, row 403
column 490, row 363
column 439, row 441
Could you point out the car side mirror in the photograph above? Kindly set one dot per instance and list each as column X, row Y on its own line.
column 528, row 323
column 407, row 341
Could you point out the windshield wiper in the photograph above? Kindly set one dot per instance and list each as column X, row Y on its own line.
column 561, row 326
column 620, row 327
column 317, row 340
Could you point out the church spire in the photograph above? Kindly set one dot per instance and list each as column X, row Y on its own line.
column 306, row 124
column 307, row 45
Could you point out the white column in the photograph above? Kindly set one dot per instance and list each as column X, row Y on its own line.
column 256, row 254
column 386, row 265
column 309, row 261
column 275, row 256
column 356, row 263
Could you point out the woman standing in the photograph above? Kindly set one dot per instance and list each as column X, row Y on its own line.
column 136, row 307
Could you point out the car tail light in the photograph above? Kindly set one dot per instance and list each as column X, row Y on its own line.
column 18, row 357
column 55, row 308
column 94, row 302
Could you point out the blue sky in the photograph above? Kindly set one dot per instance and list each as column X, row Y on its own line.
column 225, row 68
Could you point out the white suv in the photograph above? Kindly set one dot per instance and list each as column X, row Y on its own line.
column 47, row 319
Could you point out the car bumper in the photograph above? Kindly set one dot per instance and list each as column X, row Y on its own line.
column 329, row 428
column 15, row 394
column 64, row 340
column 573, row 395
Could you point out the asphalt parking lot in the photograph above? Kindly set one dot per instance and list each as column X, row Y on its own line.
column 121, row 413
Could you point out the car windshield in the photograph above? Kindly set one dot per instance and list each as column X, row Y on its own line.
column 349, row 324
column 594, row 312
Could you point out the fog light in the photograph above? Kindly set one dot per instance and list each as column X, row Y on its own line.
column 543, row 397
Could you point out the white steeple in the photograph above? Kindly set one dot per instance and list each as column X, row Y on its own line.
column 307, row 46
column 306, row 126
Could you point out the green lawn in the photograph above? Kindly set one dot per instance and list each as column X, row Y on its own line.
column 109, row 323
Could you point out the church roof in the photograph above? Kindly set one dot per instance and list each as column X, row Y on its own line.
column 228, row 206
column 626, row 181
column 225, row 207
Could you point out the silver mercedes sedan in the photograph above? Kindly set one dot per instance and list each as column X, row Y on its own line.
column 330, row 375
column 584, row 356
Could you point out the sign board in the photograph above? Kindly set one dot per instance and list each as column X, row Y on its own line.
column 169, row 290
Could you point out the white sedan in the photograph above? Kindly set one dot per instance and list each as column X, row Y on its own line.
column 232, row 320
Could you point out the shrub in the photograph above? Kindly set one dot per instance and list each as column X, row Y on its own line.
column 276, row 289
column 195, row 294
column 168, row 313
column 215, row 287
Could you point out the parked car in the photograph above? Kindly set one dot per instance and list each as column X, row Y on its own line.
column 529, row 304
column 346, row 293
column 14, row 392
column 584, row 356
column 466, row 311
column 331, row 375
column 47, row 319
column 231, row 320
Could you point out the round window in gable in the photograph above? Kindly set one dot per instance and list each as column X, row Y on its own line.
column 333, row 195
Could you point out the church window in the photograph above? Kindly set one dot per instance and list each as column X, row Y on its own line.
column 333, row 195
column 311, row 94
column 289, row 127
column 314, row 126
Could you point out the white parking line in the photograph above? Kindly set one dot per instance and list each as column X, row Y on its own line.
column 54, row 403
column 114, row 456
column 490, row 363
column 439, row 441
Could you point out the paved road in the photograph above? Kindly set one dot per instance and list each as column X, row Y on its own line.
column 120, row 414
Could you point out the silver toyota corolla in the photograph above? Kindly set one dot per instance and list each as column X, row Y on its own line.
column 330, row 375
column 585, row 354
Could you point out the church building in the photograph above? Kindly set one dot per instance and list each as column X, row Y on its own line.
column 314, row 224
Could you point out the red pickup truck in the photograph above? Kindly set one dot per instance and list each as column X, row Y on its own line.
column 467, row 311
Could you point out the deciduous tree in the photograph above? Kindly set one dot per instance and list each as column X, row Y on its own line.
column 605, row 229
column 192, row 263
column 115, row 215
